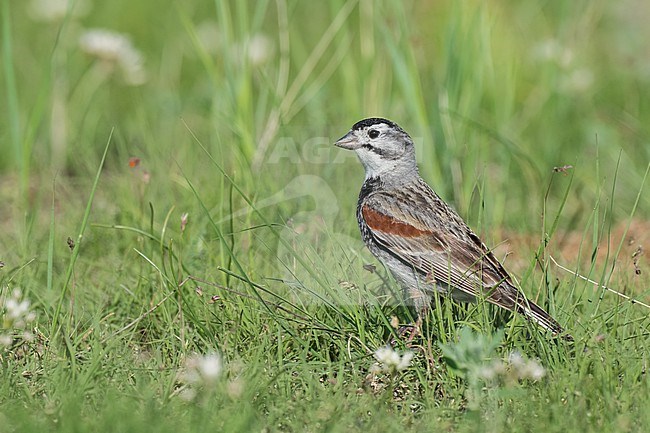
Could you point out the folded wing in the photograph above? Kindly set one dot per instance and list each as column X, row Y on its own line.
column 456, row 259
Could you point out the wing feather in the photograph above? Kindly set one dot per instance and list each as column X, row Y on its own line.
column 458, row 260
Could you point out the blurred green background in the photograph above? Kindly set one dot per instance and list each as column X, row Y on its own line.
column 496, row 95
column 222, row 108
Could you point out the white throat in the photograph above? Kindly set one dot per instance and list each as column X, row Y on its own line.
column 377, row 166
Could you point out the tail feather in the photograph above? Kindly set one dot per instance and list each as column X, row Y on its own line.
column 537, row 314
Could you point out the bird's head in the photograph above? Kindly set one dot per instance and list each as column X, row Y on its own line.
column 383, row 148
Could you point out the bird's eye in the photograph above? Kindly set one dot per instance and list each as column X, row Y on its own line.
column 373, row 133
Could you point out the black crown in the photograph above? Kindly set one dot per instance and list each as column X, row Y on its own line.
column 375, row 121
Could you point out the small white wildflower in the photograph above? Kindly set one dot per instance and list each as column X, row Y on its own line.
column 387, row 355
column 27, row 336
column 513, row 369
column 516, row 360
column 547, row 50
column 187, row 394
column 235, row 388
column 16, row 317
column 16, row 311
column 523, row 368
column 5, row 340
column 57, row 10
column 552, row 50
column 209, row 36
column 577, row 81
column 210, row 367
column 375, row 368
column 115, row 48
column 492, row 371
column 535, row 371
column 260, row 49
column 202, row 369
column 392, row 361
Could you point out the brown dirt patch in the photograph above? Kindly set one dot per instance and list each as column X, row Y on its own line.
column 575, row 249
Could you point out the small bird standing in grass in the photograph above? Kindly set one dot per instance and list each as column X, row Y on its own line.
column 423, row 242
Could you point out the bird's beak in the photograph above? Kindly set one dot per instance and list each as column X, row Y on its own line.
column 348, row 141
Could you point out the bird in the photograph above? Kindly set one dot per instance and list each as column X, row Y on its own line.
column 424, row 243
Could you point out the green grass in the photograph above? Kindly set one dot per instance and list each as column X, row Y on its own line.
column 269, row 269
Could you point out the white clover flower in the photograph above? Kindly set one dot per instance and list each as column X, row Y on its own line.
column 552, row 50
column 202, row 369
column 391, row 360
column 492, row 371
column 57, row 10
column 16, row 311
column 16, row 317
column 535, row 371
column 115, row 49
column 523, row 368
column 547, row 50
column 260, row 49
column 235, row 388
column 5, row 340
column 513, row 369
column 209, row 36
column 577, row 81
column 188, row 394
column 574, row 79
column 257, row 50
column 516, row 360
